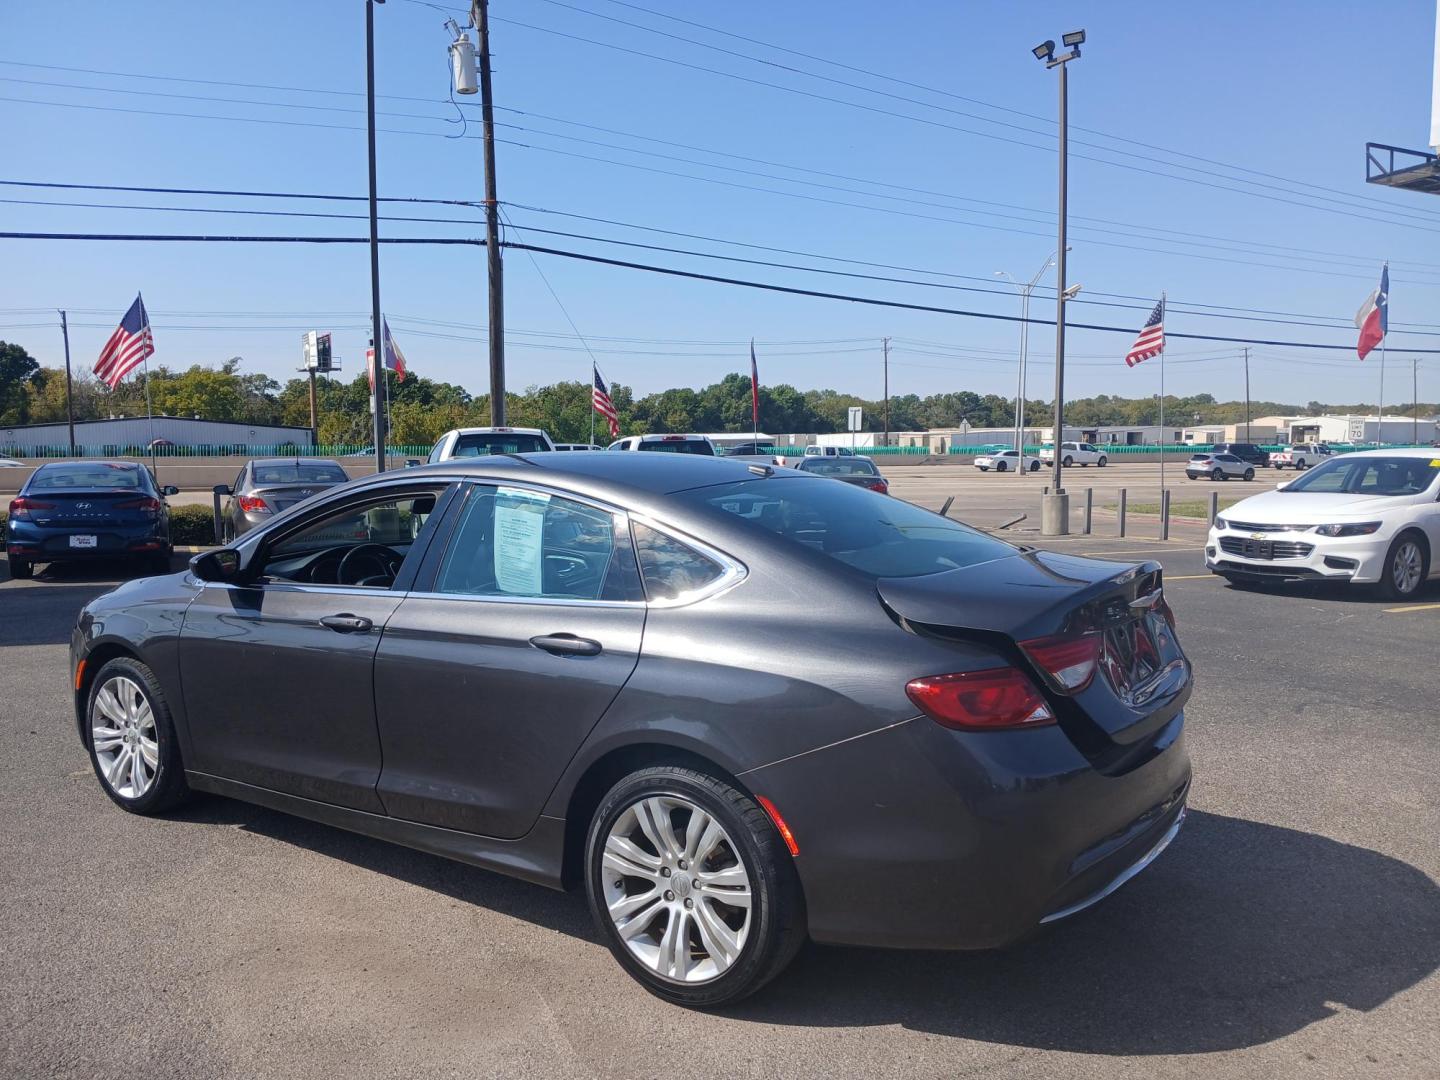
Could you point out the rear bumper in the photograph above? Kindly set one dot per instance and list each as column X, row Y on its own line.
column 919, row 837
column 32, row 543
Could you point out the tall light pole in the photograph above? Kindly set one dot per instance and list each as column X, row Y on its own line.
column 377, row 361
column 1025, row 291
column 1055, row 507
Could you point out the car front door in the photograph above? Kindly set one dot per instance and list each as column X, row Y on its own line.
column 277, row 672
column 524, row 625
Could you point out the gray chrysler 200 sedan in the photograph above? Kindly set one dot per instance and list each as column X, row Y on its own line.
column 741, row 705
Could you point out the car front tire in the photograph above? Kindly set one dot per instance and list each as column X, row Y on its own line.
column 1102, row 462
column 1068, row 461
column 692, row 887
column 1249, row 474
column 131, row 739
column 1000, row 467
column 1407, row 565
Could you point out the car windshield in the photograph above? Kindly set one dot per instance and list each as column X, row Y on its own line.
column 677, row 446
column 1368, row 476
column 88, row 475
column 299, row 472
column 498, row 442
column 878, row 536
column 840, row 467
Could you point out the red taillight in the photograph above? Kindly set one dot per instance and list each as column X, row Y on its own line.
column 981, row 700
column 20, row 508
column 144, row 502
column 879, row 485
column 249, row 504
column 1069, row 659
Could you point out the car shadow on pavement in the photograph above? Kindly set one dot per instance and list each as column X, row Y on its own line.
column 1241, row 934
column 1337, row 592
column 43, row 616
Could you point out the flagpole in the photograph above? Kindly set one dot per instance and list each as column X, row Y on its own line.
column 149, row 413
column 1380, row 425
column 1162, row 402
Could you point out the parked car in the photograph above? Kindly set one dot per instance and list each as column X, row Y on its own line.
column 828, row 451
column 1218, row 467
column 452, row 658
column 853, row 470
column 759, row 453
column 11, row 463
column 1075, row 453
column 577, row 446
column 1246, row 452
column 1300, row 456
column 73, row 510
column 667, row 444
column 1007, row 461
column 483, row 441
column 1371, row 516
column 158, row 444
column 267, row 486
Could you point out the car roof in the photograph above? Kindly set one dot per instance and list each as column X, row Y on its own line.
column 595, row 472
column 91, row 461
column 1415, row 452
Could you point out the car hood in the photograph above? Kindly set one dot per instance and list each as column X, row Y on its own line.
column 1305, row 508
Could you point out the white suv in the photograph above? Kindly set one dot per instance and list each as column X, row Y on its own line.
column 666, row 444
column 1075, row 453
column 483, row 441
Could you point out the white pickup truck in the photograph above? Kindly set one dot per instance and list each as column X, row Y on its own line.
column 1300, row 456
column 1075, row 453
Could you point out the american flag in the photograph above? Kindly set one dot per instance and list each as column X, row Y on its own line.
column 600, row 401
column 1151, row 340
column 129, row 346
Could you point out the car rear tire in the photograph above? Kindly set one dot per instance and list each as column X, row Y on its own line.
column 1407, row 565
column 1217, row 474
column 692, row 887
column 1249, row 474
column 21, row 570
column 131, row 739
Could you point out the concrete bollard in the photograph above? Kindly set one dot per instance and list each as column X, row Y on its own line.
column 1165, row 514
column 1121, row 512
column 1214, row 507
column 1089, row 508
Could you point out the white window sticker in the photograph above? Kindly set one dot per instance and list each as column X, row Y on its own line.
column 519, row 538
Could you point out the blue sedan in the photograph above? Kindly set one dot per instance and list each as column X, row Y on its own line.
column 71, row 510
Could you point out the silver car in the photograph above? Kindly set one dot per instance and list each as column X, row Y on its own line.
column 266, row 486
column 1218, row 467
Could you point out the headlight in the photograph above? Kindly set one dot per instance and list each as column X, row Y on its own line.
column 1360, row 528
column 1221, row 523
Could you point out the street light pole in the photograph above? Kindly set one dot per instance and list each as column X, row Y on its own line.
column 1020, row 382
column 377, row 360
column 1055, row 507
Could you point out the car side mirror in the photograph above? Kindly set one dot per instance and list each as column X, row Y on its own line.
column 222, row 489
column 221, row 565
column 412, row 462
column 169, row 489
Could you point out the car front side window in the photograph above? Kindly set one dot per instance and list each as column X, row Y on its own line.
column 365, row 543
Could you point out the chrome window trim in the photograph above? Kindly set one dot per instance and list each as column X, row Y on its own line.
column 732, row 570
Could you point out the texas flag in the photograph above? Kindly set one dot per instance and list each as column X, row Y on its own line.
column 1373, row 318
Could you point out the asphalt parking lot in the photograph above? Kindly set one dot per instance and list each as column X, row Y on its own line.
column 1293, row 928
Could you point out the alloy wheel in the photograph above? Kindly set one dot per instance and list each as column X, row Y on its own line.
column 1406, row 567
column 123, row 734
column 676, row 889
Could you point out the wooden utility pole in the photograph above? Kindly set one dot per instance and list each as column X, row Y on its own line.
column 885, row 344
column 1247, row 393
column 314, row 413
column 69, row 384
column 1415, row 400
column 480, row 16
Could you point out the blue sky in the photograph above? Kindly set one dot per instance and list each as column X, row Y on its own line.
column 1280, row 89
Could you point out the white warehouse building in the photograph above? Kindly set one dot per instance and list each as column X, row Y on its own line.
column 138, row 431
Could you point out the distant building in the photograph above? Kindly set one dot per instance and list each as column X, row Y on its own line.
column 113, row 437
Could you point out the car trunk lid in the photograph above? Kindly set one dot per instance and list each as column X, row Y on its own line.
column 75, row 508
column 283, row 496
column 1142, row 677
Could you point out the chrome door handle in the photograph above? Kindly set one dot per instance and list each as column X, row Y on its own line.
column 566, row 645
column 347, row 624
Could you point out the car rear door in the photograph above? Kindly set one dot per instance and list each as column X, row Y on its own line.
column 277, row 674
column 488, row 680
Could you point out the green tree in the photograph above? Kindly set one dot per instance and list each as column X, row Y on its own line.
column 18, row 370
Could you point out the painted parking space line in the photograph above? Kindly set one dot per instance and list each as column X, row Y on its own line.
column 1144, row 551
column 1197, row 577
column 1410, row 608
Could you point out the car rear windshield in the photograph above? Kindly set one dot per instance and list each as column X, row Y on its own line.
column 840, row 467
column 874, row 534
column 88, row 475
column 300, row 472
column 1368, row 476
column 677, row 446
column 498, row 443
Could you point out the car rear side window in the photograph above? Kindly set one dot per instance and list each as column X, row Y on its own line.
column 878, row 536
column 523, row 543
column 671, row 569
